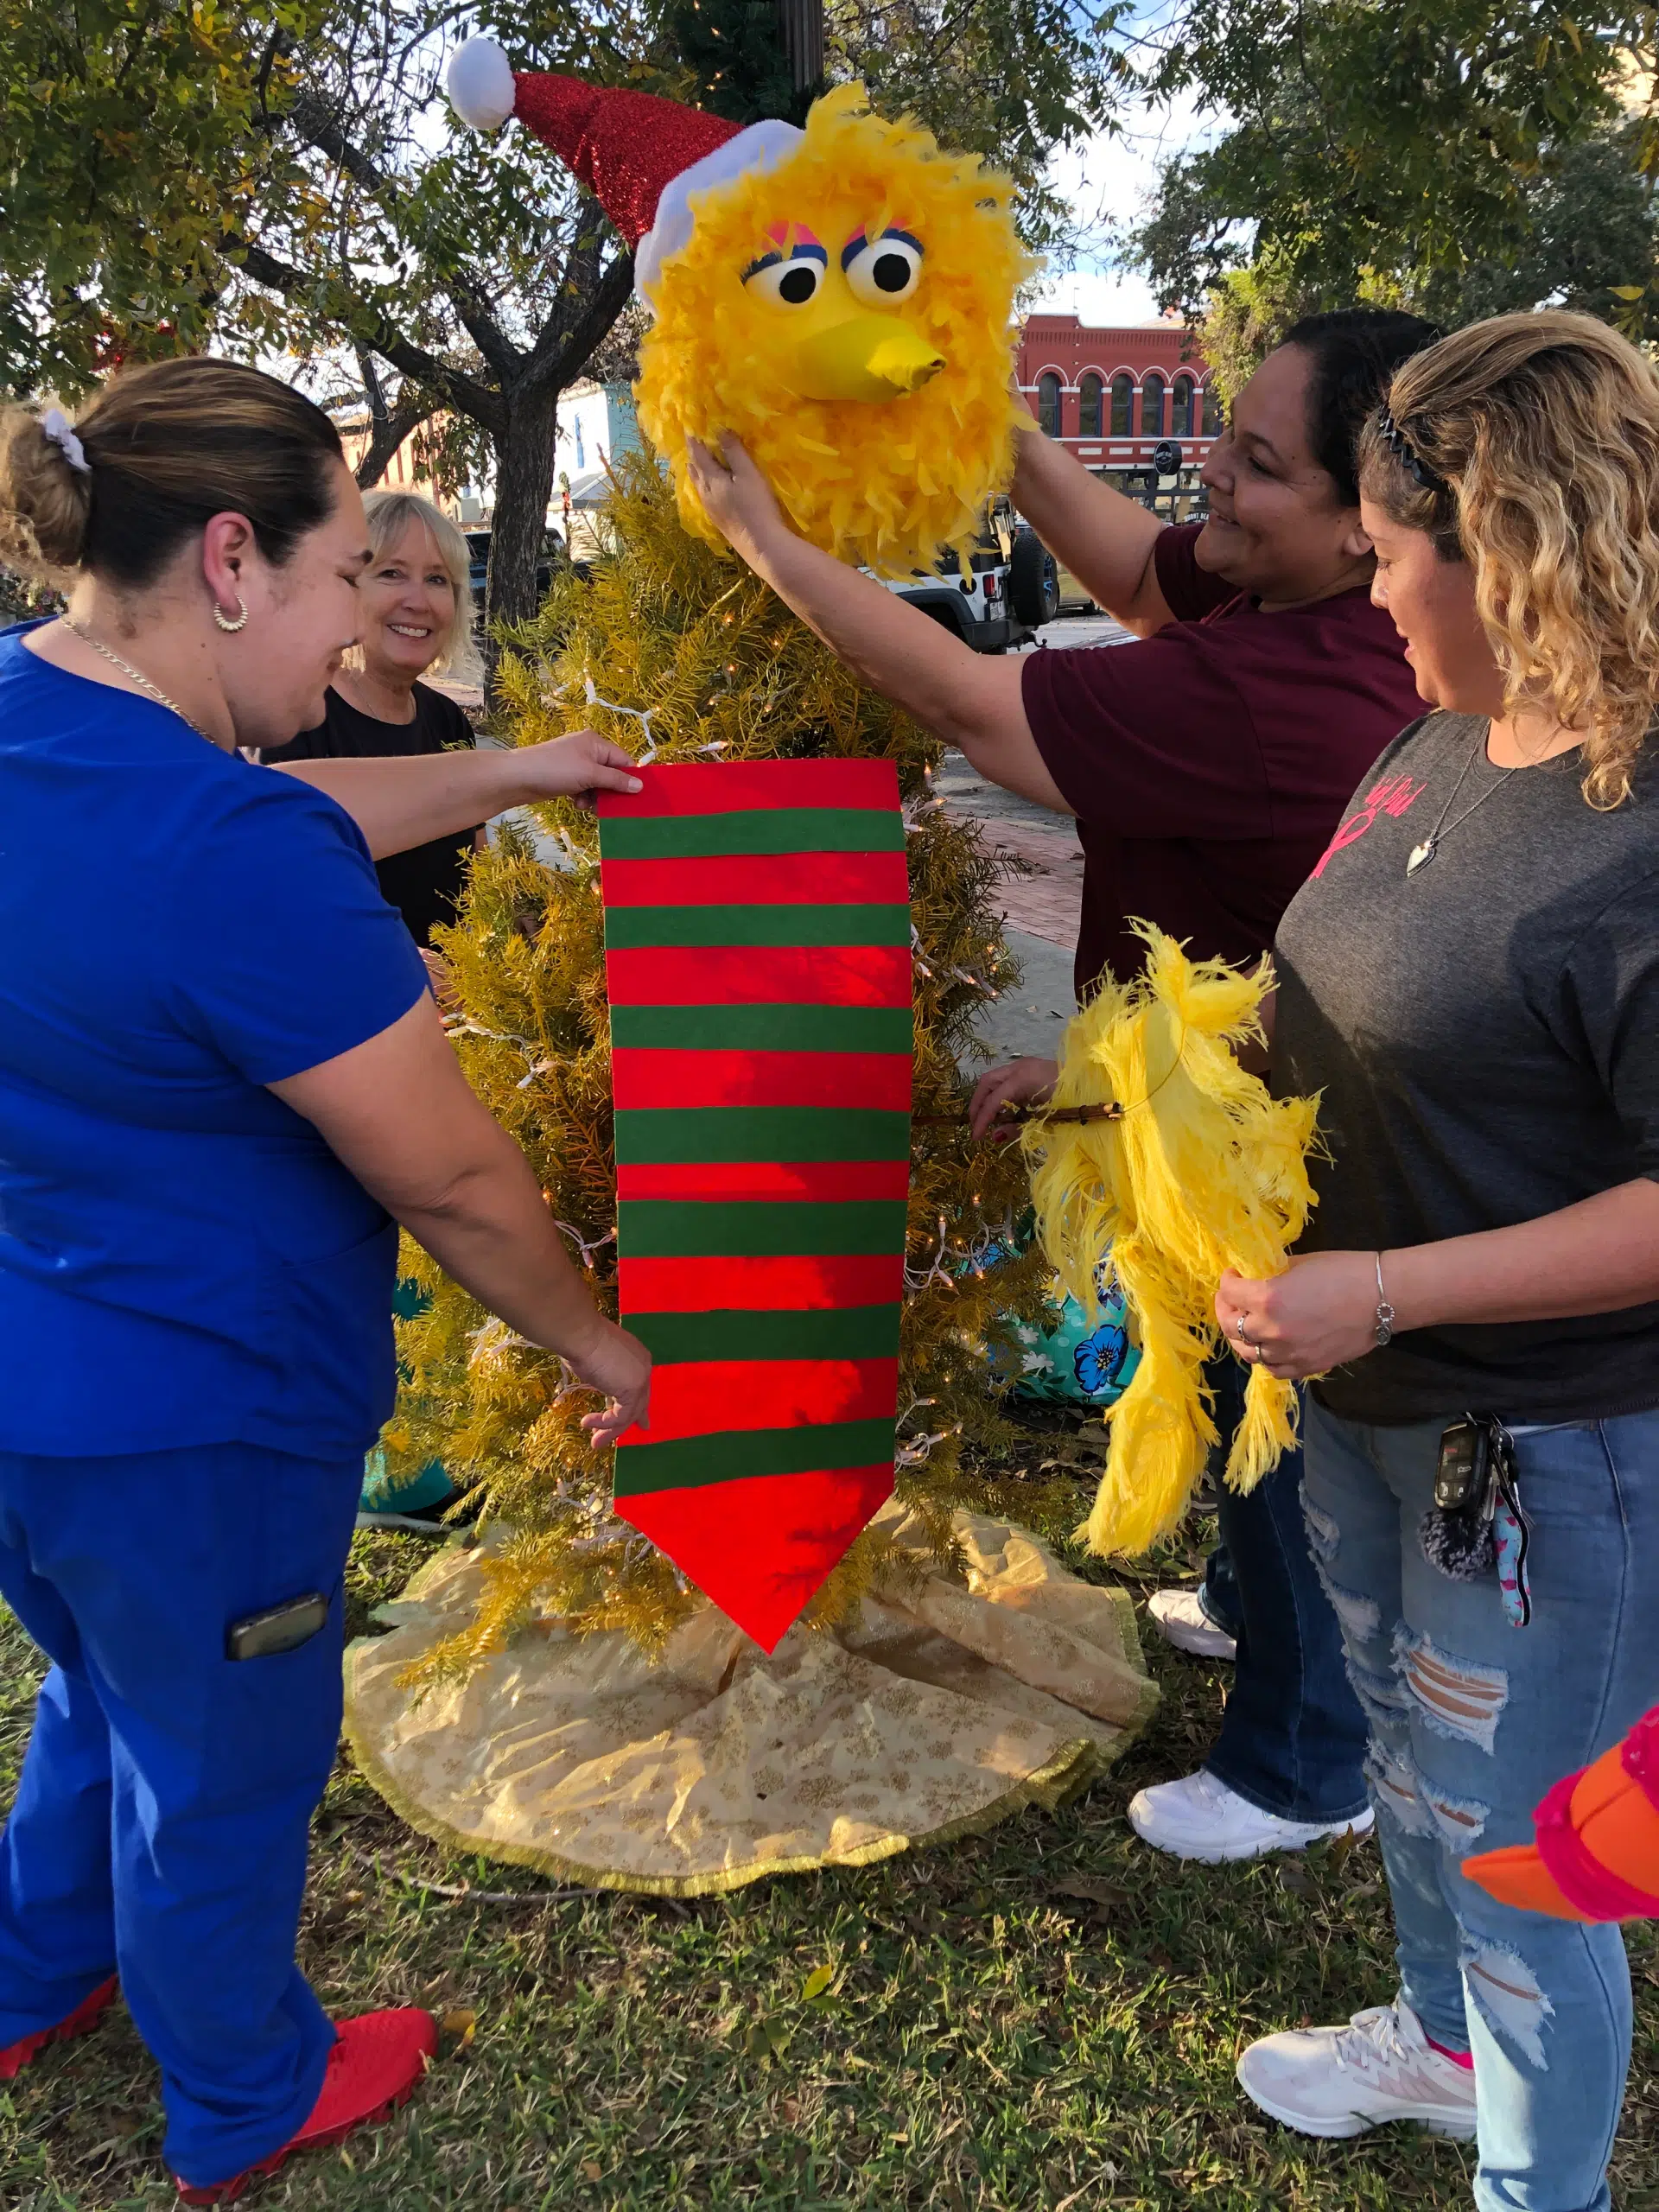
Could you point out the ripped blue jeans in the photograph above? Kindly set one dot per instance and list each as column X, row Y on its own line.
column 1470, row 1722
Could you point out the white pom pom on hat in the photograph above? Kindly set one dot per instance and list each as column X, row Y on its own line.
column 480, row 83
column 642, row 156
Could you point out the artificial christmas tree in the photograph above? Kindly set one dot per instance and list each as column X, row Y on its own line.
column 684, row 657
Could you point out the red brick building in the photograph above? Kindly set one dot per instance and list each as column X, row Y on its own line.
column 1111, row 395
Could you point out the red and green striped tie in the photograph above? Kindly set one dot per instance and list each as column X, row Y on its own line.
column 756, row 934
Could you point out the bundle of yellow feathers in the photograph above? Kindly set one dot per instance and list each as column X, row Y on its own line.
column 1201, row 1171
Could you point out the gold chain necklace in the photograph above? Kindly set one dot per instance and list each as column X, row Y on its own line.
column 137, row 675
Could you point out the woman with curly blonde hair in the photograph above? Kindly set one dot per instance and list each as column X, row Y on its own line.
column 1471, row 981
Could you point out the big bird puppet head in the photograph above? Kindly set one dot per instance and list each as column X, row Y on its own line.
column 840, row 297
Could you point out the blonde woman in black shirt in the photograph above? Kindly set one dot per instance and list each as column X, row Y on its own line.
column 1470, row 980
column 416, row 620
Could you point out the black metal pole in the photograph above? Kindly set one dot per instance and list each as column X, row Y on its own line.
column 802, row 24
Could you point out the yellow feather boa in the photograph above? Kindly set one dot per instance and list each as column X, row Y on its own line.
column 1203, row 1171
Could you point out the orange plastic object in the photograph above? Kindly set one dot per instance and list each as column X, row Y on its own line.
column 1597, row 1857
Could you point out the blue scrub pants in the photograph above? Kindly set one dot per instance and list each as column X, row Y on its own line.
column 161, row 1822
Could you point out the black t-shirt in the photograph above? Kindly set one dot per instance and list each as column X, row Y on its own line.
column 1485, row 1036
column 425, row 882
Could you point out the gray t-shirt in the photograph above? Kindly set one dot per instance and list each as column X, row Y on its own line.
column 1486, row 1035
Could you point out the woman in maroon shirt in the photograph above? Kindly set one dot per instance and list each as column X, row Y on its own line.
column 1208, row 768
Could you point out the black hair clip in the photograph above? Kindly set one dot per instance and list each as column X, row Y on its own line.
column 1400, row 446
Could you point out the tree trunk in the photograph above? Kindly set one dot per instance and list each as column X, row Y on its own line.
column 524, row 484
column 388, row 433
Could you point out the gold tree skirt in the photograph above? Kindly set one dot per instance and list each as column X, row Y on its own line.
column 940, row 1712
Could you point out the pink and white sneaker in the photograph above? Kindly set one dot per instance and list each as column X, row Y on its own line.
column 1339, row 2081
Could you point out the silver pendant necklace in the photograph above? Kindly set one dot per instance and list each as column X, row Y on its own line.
column 137, row 675
column 1421, row 855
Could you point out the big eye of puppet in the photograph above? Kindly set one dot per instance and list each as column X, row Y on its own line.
column 884, row 270
column 791, row 282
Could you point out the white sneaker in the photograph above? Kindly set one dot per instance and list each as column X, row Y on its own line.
column 1342, row 2080
column 1183, row 1622
column 1199, row 1817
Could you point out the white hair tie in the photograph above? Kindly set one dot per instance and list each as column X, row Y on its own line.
column 61, row 430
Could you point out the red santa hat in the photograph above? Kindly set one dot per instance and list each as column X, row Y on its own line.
column 642, row 157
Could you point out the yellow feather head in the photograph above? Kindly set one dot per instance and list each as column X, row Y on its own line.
column 885, row 482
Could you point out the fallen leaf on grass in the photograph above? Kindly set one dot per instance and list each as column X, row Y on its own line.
column 767, row 2039
column 1093, row 1888
column 458, row 2026
column 817, row 1984
column 1296, row 1878
column 590, row 2169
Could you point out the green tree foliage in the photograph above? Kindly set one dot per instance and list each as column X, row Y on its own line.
column 135, row 148
column 733, row 51
column 1587, row 228
column 1589, row 233
column 725, row 672
column 1010, row 81
column 1248, row 312
column 1393, row 148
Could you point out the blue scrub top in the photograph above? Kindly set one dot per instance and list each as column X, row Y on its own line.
column 182, row 1259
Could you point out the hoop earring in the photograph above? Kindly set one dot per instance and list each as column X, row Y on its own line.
column 241, row 621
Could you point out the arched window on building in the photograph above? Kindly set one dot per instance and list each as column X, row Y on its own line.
column 1151, row 405
column 1180, row 412
column 1123, row 407
column 1048, row 403
column 1091, row 395
column 1211, row 412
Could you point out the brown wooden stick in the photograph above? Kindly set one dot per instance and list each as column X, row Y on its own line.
column 1112, row 1113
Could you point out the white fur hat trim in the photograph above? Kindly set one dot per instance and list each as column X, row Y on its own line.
column 761, row 146
column 479, row 81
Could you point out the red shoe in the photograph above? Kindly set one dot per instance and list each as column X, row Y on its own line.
column 376, row 2061
column 87, row 2014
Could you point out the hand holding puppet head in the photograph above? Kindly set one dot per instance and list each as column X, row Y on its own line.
column 841, row 297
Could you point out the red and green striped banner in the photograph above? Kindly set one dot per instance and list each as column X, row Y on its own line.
column 757, row 950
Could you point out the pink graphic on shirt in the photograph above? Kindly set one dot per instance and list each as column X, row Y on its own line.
column 1392, row 796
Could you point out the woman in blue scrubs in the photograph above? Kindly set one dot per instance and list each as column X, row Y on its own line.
column 223, row 1082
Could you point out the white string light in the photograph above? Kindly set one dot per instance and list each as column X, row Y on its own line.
column 641, row 714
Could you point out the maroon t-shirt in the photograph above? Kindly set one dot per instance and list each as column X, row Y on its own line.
column 1208, row 765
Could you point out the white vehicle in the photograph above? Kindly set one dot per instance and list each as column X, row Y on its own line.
column 1010, row 590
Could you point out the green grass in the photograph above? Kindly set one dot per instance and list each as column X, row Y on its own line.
column 1047, row 2016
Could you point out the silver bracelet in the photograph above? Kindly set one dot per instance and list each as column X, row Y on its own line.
column 1384, row 1328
